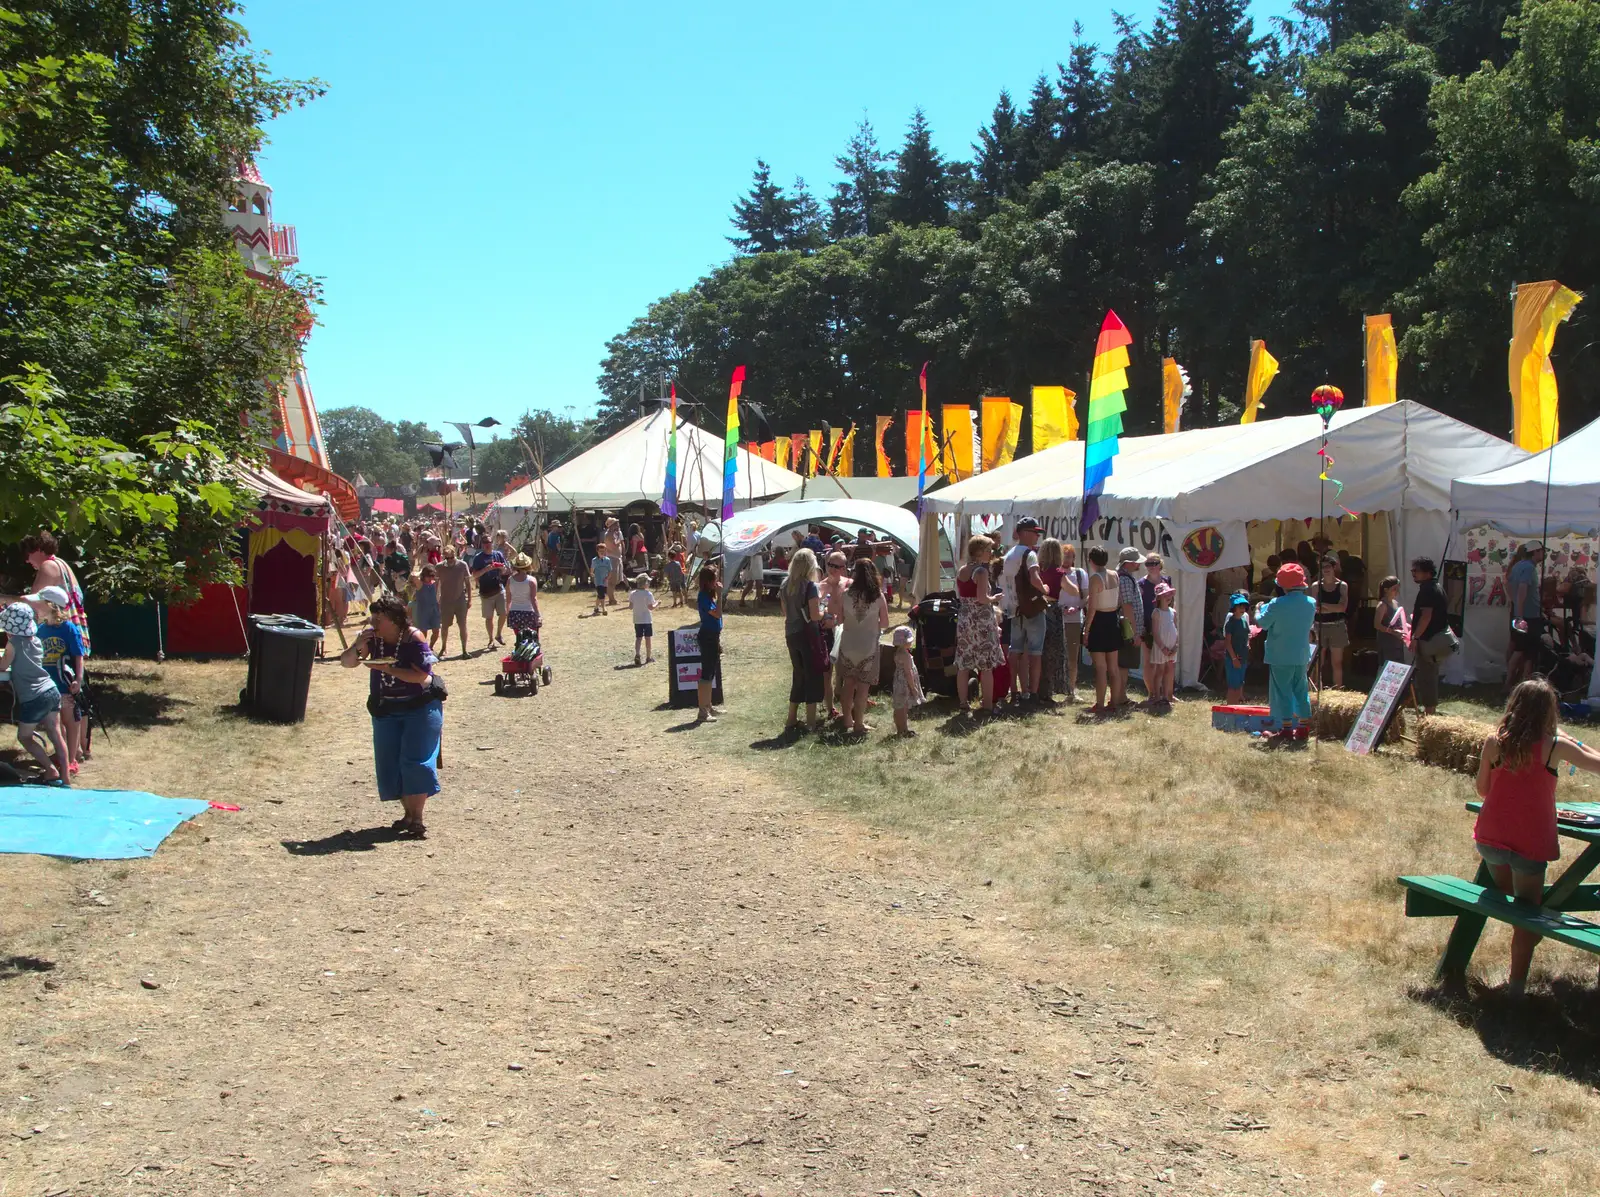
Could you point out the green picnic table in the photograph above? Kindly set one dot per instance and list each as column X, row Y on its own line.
column 1473, row 903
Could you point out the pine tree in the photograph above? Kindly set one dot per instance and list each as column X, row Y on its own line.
column 1083, row 99
column 856, row 206
column 1331, row 23
column 807, row 231
column 1039, row 138
column 1463, row 33
column 921, row 186
column 764, row 217
column 995, row 167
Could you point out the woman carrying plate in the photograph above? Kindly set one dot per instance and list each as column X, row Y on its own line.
column 406, row 704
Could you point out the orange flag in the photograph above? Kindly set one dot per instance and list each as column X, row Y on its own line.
column 885, row 467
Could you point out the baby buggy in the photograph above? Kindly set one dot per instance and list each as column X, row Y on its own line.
column 524, row 669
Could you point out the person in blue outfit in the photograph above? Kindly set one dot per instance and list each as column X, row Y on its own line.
column 710, row 640
column 405, row 703
column 1288, row 621
column 1236, row 644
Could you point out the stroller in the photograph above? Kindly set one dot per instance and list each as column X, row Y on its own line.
column 524, row 669
column 934, row 619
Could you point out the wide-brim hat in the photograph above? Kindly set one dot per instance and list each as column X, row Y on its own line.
column 1239, row 599
column 17, row 620
column 1130, row 556
column 1292, row 576
column 1162, row 590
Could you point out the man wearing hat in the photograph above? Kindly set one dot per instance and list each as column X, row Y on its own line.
column 1527, row 613
column 1025, row 599
column 1132, row 605
column 1288, row 620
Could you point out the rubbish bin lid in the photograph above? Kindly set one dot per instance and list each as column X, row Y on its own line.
column 288, row 625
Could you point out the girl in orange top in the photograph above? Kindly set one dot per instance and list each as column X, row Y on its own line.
column 1516, row 829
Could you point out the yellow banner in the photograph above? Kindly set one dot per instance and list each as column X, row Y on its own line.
column 1174, row 390
column 1382, row 361
column 781, row 452
column 815, row 464
column 1054, row 420
column 845, row 466
column 955, row 454
column 1013, row 432
column 1535, row 422
column 1263, row 369
column 885, row 466
column 835, row 439
column 996, row 414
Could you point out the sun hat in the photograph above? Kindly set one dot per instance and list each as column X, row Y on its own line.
column 1292, row 576
column 48, row 594
column 1162, row 590
column 1239, row 599
column 1130, row 556
column 523, row 562
column 902, row 635
column 17, row 620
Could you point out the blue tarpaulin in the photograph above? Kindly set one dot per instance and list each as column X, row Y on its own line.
column 88, row 824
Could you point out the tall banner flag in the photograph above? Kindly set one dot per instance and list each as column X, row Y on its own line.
column 956, row 452
column 780, row 452
column 1175, row 390
column 1539, row 308
column 816, row 463
column 1052, row 411
column 730, row 458
column 1108, row 385
column 1013, row 432
column 922, row 440
column 1383, row 362
column 769, row 451
column 797, row 452
column 669, row 492
column 916, row 440
column 992, row 428
column 885, row 466
column 1263, row 369
column 845, row 466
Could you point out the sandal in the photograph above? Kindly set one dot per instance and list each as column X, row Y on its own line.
column 413, row 831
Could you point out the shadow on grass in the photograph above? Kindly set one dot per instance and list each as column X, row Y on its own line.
column 784, row 739
column 1555, row 1029
column 364, row 840
column 117, row 705
column 16, row 966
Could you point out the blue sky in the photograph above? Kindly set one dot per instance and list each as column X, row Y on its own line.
column 491, row 190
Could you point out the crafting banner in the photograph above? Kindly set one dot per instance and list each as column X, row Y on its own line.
column 1535, row 425
column 1054, row 419
column 730, row 459
column 1175, row 389
column 1382, row 360
column 1263, row 369
column 669, row 489
column 885, row 466
column 996, row 415
column 1108, row 384
column 956, row 452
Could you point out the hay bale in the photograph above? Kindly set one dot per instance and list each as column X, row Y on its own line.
column 1337, row 711
column 1451, row 742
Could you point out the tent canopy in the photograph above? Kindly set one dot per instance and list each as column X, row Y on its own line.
column 748, row 530
column 897, row 492
column 631, row 467
column 1514, row 497
column 1400, row 456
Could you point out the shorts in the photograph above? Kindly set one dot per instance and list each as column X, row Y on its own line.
column 523, row 621
column 1027, row 634
column 35, row 709
column 710, row 655
column 1527, row 642
column 1505, row 856
column 1105, row 633
column 493, row 604
column 600, row 591
column 453, row 615
column 1234, row 673
column 405, row 752
column 644, row 631
column 1335, row 633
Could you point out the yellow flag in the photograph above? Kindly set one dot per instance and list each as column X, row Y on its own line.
column 835, row 440
column 1535, row 425
column 1174, row 390
column 885, row 466
column 996, row 413
column 1013, row 432
column 1263, row 369
column 1054, row 420
column 956, row 452
column 1382, row 360
column 813, row 466
column 845, row 467
column 782, row 452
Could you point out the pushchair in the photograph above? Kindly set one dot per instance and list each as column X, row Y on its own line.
column 934, row 652
column 525, row 668
column 1566, row 661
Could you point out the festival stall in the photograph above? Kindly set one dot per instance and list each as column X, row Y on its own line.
column 896, row 491
column 1194, row 496
column 1552, row 497
column 631, row 466
column 740, row 536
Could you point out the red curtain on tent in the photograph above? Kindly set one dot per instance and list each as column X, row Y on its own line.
column 211, row 625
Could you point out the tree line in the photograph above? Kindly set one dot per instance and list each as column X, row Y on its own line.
column 1211, row 183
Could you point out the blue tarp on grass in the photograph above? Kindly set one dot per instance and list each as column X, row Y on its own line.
column 88, row 824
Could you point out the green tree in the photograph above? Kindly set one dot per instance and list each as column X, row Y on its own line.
column 856, row 208
column 808, row 230
column 920, row 189
column 764, row 216
column 1083, row 99
column 1464, row 34
column 412, row 438
column 361, row 442
column 995, row 167
column 1039, row 146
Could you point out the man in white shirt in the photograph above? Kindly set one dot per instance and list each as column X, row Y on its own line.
column 1027, row 630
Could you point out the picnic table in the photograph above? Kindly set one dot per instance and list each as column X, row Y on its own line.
column 1473, row 903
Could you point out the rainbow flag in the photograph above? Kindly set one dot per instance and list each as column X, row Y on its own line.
column 730, row 456
column 669, row 492
column 922, row 447
column 1107, row 384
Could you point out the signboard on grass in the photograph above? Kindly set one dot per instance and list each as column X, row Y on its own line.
column 1380, row 708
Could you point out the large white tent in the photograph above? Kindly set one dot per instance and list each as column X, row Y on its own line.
column 631, row 466
column 1191, row 495
column 742, row 535
column 1556, row 492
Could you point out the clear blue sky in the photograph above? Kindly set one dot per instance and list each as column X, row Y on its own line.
column 490, row 190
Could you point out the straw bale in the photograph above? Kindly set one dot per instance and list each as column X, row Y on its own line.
column 1336, row 714
column 1451, row 742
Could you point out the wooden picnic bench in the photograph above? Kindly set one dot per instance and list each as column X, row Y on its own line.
column 1473, row 903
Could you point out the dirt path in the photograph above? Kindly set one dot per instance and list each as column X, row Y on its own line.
column 618, row 967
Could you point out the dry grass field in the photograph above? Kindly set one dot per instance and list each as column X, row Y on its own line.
column 1035, row 957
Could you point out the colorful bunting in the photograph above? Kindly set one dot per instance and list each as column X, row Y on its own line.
column 730, row 460
column 922, row 440
column 1108, row 386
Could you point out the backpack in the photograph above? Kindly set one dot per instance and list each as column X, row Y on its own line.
column 1031, row 600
